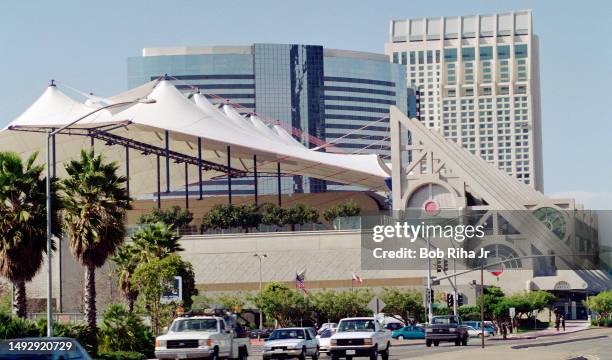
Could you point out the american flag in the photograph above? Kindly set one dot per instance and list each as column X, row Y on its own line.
column 299, row 280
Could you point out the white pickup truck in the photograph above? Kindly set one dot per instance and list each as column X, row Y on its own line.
column 201, row 337
column 360, row 337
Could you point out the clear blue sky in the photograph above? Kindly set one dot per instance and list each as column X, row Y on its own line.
column 87, row 46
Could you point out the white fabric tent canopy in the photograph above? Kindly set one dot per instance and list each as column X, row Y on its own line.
column 184, row 121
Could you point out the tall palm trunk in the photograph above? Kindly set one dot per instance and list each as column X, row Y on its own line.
column 131, row 299
column 19, row 299
column 90, row 298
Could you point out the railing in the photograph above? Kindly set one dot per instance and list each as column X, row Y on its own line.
column 76, row 317
column 61, row 317
column 344, row 223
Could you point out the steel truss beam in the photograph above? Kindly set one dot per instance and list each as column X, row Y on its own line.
column 102, row 133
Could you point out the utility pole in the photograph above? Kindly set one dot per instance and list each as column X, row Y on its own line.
column 260, row 257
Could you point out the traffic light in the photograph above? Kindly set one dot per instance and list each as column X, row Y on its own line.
column 459, row 299
column 429, row 296
column 445, row 265
column 439, row 265
column 449, row 300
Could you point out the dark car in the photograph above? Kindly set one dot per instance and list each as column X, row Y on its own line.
column 260, row 333
column 394, row 326
column 42, row 348
column 447, row 328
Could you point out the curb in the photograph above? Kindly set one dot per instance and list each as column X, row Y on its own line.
column 550, row 343
column 531, row 337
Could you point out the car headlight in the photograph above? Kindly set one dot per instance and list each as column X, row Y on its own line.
column 452, row 329
column 160, row 343
column 367, row 341
column 333, row 342
column 428, row 330
column 204, row 342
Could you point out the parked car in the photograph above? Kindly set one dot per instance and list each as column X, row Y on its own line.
column 477, row 332
column 360, row 337
column 325, row 340
column 201, row 337
column 489, row 330
column 409, row 332
column 327, row 326
column 392, row 326
column 292, row 343
column 260, row 333
column 446, row 328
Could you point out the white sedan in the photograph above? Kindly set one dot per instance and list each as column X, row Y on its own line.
column 476, row 333
column 291, row 343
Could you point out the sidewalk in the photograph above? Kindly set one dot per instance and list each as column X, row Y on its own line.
column 571, row 326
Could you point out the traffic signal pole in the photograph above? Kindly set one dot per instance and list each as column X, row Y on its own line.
column 429, row 307
column 455, row 295
column 482, row 305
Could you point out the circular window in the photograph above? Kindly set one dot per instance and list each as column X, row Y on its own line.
column 553, row 219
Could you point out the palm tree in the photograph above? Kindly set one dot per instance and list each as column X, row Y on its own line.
column 156, row 241
column 23, row 240
column 151, row 241
column 95, row 204
column 126, row 260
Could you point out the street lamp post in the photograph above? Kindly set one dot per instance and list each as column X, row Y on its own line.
column 260, row 257
column 50, row 135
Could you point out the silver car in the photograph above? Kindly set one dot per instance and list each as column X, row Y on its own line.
column 291, row 343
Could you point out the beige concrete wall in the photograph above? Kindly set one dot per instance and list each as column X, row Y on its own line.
column 226, row 263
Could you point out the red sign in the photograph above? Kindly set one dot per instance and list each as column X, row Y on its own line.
column 431, row 207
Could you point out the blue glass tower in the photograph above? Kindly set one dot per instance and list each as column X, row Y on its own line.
column 328, row 95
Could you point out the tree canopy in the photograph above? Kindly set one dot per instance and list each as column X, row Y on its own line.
column 406, row 304
column 332, row 305
column 346, row 209
column 279, row 302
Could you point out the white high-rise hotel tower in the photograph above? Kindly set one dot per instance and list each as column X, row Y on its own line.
column 478, row 78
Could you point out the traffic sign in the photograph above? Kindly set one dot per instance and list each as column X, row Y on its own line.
column 376, row 305
column 496, row 270
column 174, row 292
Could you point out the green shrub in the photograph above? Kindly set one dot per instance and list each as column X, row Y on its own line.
column 175, row 217
column 603, row 322
column 120, row 355
column 345, row 209
column 78, row 331
column 528, row 324
column 12, row 327
column 122, row 331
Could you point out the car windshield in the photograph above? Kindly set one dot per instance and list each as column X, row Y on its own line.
column 194, row 325
column 443, row 320
column 283, row 334
column 326, row 333
column 357, row 325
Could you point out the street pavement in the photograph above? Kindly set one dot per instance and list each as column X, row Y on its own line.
column 576, row 344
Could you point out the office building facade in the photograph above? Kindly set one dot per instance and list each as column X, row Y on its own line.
column 330, row 96
column 478, row 81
